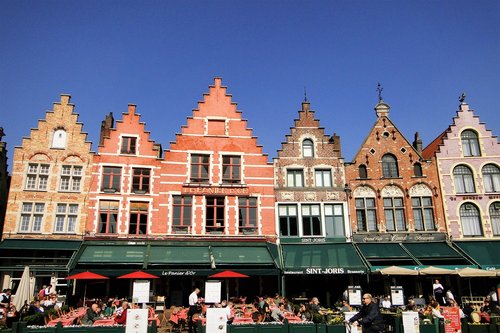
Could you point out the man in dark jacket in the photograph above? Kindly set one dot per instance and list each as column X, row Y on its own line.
column 369, row 316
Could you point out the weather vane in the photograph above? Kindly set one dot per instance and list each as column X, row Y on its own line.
column 462, row 98
column 379, row 89
column 305, row 94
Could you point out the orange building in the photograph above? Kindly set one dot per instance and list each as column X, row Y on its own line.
column 46, row 211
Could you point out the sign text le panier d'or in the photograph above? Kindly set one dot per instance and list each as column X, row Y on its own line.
column 216, row 190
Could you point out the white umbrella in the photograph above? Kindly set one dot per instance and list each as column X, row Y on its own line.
column 431, row 270
column 475, row 272
column 396, row 270
column 23, row 292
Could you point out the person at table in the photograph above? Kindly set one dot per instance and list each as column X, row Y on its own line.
column 12, row 316
column 345, row 306
column 5, row 298
column 36, row 308
column 305, row 312
column 369, row 316
column 386, row 302
column 278, row 313
column 121, row 317
column 93, row 313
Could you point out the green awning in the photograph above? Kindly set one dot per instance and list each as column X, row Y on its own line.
column 175, row 255
column 112, row 254
column 242, row 255
column 485, row 253
column 40, row 244
column 386, row 254
column 338, row 258
column 436, row 254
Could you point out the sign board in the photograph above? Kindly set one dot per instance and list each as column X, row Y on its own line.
column 140, row 293
column 413, row 237
column 411, row 323
column 324, row 271
column 349, row 315
column 212, row 292
column 354, row 294
column 137, row 321
column 217, row 320
column 451, row 319
column 397, row 298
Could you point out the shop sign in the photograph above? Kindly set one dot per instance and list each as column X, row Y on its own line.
column 178, row 273
column 313, row 240
column 398, row 237
column 213, row 190
column 324, row 271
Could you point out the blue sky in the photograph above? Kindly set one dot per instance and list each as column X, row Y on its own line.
column 162, row 55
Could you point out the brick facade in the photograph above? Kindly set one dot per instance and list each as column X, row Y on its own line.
column 50, row 179
column 407, row 176
column 309, row 175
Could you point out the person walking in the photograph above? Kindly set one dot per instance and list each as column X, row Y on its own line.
column 438, row 290
column 369, row 316
column 193, row 308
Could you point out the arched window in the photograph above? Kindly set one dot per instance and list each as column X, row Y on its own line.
column 470, row 143
column 464, row 179
column 59, row 138
column 390, row 166
column 471, row 220
column 363, row 172
column 417, row 170
column 307, row 148
column 495, row 218
column 491, row 178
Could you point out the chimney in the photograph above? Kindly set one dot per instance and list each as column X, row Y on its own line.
column 106, row 126
column 417, row 144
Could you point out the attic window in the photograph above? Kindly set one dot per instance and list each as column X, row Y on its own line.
column 59, row 138
column 386, row 134
column 373, row 151
column 216, row 127
column 129, row 145
column 403, row 150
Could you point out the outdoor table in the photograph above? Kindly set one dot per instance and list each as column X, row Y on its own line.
column 65, row 321
column 104, row 322
column 293, row 319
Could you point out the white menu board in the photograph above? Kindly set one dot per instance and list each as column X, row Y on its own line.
column 411, row 322
column 354, row 293
column 140, row 292
column 397, row 298
column 212, row 291
column 137, row 321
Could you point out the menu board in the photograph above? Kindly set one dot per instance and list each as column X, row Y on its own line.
column 397, row 298
column 354, row 293
column 140, row 293
column 451, row 319
column 411, row 323
column 212, row 291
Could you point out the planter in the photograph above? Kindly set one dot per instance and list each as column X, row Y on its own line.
column 480, row 328
column 302, row 328
column 321, row 328
column 335, row 329
column 429, row 328
column 271, row 328
column 250, row 328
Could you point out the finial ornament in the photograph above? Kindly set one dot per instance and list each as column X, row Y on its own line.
column 379, row 89
column 305, row 94
column 462, row 98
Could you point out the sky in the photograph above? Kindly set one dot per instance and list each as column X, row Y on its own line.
column 163, row 55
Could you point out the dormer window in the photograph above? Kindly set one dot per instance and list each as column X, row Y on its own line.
column 363, row 172
column 307, row 148
column 59, row 139
column 129, row 145
column 417, row 170
column 390, row 166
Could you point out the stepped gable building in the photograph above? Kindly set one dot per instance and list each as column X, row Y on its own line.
column 467, row 156
column 4, row 179
column 125, row 181
column 395, row 201
column 312, row 214
column 46, row 211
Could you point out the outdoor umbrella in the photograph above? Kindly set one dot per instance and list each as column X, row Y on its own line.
column 228, row 275
column 474, row 272
column 396, row 270
column 432, row 270
column 24, row 291
column 138, row 275
column 86, row 276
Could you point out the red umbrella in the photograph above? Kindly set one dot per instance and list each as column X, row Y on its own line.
column 86, row 276
column 226, row 275
column 138, row 275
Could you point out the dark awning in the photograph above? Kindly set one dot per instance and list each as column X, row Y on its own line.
column 40, row 255
column 179, row 255
column 242, row 255
column 322, row 259
column 484, row 253
column 112, row 254
column 412, row 255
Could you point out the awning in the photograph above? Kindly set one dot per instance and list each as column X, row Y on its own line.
column 242, row 255
column 411, row 255
column 39, row 255
column 484, row 253
column 179, row 255
column 327, row 259
column 112, row 254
